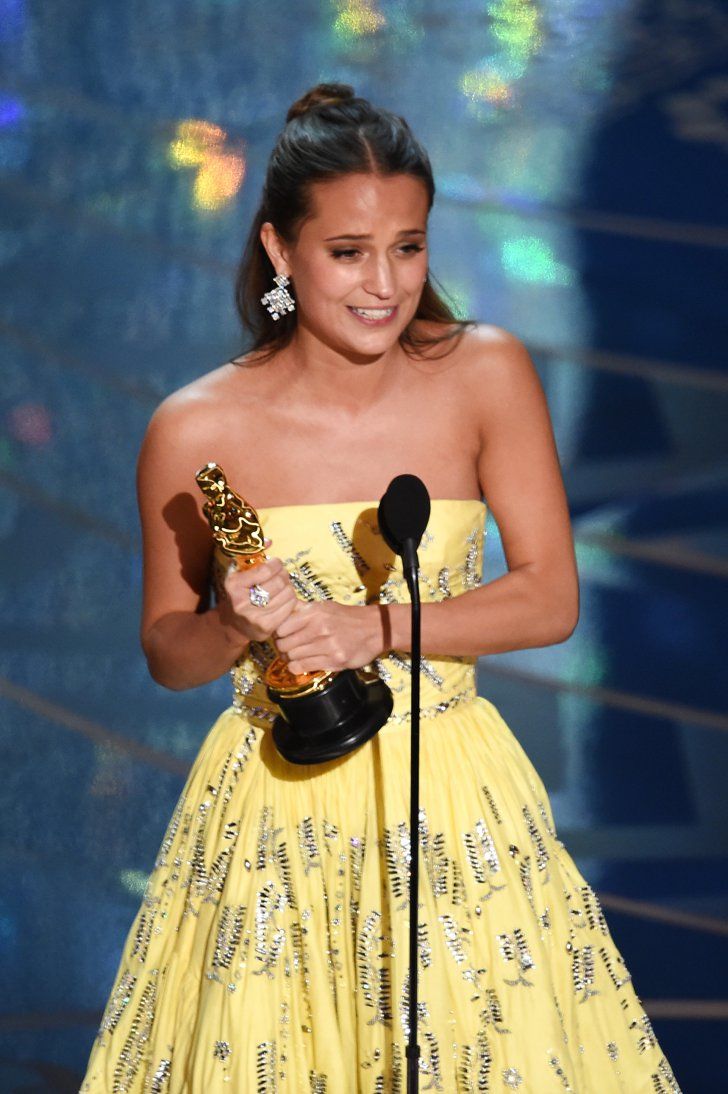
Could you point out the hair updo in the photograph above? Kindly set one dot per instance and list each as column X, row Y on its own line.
column 329, row 132
column 320, row 95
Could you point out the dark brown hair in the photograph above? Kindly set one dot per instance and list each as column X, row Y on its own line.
column 330, row 132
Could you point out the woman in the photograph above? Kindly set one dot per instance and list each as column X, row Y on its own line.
column 271, row 949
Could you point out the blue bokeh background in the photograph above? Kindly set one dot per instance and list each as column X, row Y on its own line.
column 579, row 151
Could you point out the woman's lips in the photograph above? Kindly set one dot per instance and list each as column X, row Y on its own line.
column 368, row 321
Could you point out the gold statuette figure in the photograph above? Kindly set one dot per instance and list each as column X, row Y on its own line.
column 238, row 533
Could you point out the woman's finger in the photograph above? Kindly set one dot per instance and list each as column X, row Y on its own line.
column 270, row 580
column 300, row 665
column 261, row 570
column 297, row 620
column 275, row 615
column 301, row 651
column 244, row 605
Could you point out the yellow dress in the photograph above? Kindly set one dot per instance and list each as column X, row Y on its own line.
column 270, row 951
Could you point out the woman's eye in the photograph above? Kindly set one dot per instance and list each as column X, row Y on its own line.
column 349, row 252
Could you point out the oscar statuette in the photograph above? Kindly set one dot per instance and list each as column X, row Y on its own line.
column 323, row 714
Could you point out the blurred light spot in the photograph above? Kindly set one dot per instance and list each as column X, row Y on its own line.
column 529, row 258
column 486, row 85
column 30, row 423
column 218, row 180
column 220, row 171
column 514, row 23
column 588, row 664
column 11, row 111
column 600, row 565
column 134, row 881
column 14, row 149
column 515, row 31
column 357, row 18
column 194, row 141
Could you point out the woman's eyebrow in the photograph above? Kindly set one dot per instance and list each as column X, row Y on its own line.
column 404, row 232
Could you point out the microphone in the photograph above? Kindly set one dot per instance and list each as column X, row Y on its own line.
column 403, row 513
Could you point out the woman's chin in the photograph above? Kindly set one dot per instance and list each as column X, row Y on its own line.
column 374, row 341
column 373, row 345
column 365, row 344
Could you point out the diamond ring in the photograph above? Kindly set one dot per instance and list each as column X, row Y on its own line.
column 258, row 596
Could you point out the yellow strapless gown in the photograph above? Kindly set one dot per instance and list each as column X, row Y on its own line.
column 270, row 952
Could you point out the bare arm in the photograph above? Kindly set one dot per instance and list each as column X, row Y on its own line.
column 537, row 602
column 185, row 650
column 185, row 643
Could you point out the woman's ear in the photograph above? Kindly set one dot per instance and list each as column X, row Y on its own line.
column 275, row 248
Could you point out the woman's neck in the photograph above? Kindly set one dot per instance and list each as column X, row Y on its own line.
column 333, row 377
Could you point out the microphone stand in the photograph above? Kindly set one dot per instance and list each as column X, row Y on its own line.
column 403, row 515
column 410, row 570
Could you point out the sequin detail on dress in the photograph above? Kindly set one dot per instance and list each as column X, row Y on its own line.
column 270, row 950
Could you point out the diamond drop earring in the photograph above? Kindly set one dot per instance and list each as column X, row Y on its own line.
column 279, row 300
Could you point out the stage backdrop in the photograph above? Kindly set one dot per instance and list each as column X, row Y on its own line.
column 579, row 150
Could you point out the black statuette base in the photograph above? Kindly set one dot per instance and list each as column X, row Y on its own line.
column 329, row 723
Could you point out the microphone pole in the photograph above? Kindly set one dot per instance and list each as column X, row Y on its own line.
column 403, row 515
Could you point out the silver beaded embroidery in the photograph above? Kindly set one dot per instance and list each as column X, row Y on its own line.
column 542, row 854
column 432, row 711
column 556, row 1065
column 645, row 1033
column 348, row 547
column 443, row 582
column 229, row 934
column 582, row 970
column 514, row 948
column 159, row 1078
column 593, row 909
column 472, row 575
column 512, row 1078
column 663, row 1079
column 118, row 1001
column 307, row 583
column 374, row 975
column 132, row 1052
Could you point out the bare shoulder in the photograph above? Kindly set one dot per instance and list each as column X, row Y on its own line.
column 497, row 372
column 475, row 348
column 192, row 409
column 488, row 348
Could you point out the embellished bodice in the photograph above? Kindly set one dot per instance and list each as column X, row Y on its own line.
column 335, row 551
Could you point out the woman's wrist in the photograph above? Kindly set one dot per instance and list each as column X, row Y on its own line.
column 390, row 623
column 234, row 638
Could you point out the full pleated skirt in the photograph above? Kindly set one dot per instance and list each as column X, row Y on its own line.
column 271, row 950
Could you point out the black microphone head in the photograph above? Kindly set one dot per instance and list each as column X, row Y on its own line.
column 404, row 511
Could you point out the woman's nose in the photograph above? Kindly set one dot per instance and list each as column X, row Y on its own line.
column 379, row 279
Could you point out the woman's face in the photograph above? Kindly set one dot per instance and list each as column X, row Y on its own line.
column 360, row 260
